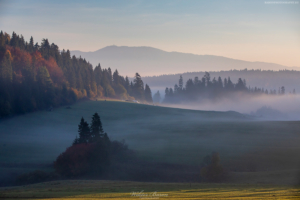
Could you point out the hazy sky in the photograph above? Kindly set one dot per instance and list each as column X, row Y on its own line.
column 266, row 31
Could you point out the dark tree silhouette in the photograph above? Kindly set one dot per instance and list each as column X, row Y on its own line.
column 212, row 89
column 83, row 131
column 138, row 88
column 96, row 128
column 148, row 94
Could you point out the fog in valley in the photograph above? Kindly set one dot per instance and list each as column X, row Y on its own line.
column 149, row 99
column 282, row 107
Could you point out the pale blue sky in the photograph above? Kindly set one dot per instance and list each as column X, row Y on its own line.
column 247, row 30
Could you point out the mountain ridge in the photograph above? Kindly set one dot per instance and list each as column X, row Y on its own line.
column 150, row 61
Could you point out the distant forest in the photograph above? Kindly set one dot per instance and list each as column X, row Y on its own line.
column 267, row 79
column 208, row 88
column 39, row 76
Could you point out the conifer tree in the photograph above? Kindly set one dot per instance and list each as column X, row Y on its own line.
column 180, row 83
column 2, row 39
column 148, row 94
column 83, row 131
column 138, row 87
column 156, row 97
column 116, row 78
column 96, row 128
column 31, row 45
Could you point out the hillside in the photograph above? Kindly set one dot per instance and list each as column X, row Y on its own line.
column 155, row 133
column 36, row 77
column 150, row 61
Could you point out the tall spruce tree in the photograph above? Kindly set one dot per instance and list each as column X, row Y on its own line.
column 138, row 86
column 148, row 94
column 83, row 131
column 96, row 128
column 2, row 39
column 180, row 84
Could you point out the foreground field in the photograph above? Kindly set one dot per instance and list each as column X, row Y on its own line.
column 254, row 151
column 83, row 189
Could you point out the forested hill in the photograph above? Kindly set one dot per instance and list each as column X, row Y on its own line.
column 266, row 79
column 37, row 76
column 214, row 89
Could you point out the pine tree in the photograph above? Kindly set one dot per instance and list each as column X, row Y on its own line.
column 207, row 79
column 2, row 39
column 14, row 40
column 116, row 78
column 31, row 45
column 45, row 49
column 180, row 84
column 96, row 128
column 220, row 83
column 83, row 131
column 138, row 87
column 156, row 97
column 240, row 85
column 148, row 94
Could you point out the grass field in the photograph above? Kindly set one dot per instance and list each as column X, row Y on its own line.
column 251, row 149
column 82, row 189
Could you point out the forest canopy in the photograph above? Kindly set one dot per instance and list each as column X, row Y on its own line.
column 37, row 76
column 213, row 89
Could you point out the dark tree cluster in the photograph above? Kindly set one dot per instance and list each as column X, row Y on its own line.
column 207, row 88
column 90, row 133
column 139, row 91
column 38, row 76
column 92, row 153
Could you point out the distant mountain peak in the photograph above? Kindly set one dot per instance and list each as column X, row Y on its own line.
column 150, row 61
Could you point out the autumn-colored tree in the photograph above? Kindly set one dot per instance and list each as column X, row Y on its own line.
column 37, row 76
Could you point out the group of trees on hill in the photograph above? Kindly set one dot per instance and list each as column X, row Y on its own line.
column 92, row 133
column 206, row 88
column 38, row 76
column 92, row 153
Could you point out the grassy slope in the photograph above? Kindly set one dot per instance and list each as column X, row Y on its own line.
column 78, row 189
column 41, row 136
column 157, row 133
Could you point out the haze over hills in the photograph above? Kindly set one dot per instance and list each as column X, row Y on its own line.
column 150, row 61
column 266, row 79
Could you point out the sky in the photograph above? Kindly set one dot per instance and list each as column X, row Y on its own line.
column 267, row 31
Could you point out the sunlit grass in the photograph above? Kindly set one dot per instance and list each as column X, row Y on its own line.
column 82, row 189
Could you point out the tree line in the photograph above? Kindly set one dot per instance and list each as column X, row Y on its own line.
column 37, row 76
column 207, row 88
column 267, row 79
